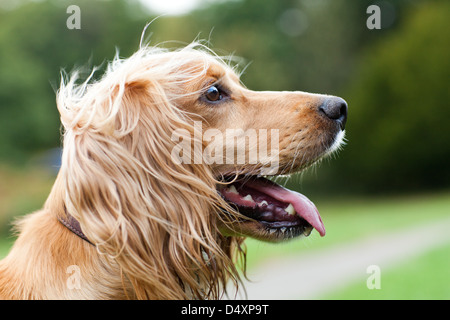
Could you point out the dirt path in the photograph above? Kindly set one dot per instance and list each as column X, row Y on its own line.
column 315, row 273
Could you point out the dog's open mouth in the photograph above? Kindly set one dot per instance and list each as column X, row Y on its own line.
column 283, row 213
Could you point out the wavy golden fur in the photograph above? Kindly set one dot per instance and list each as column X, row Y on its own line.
column 156, row 225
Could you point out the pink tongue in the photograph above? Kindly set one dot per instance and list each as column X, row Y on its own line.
column 302, row 205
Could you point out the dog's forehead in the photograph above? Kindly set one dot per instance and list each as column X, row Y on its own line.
column 221, row 71
column 210, row 71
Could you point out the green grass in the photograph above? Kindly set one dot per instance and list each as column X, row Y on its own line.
column 22, row 190
column 346, row 221
column 5, row 245
column 349, row 220
column 425, row 277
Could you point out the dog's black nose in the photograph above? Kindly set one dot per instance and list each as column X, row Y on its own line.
column 335, row 108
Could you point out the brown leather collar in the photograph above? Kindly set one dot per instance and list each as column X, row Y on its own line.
column 73, row 225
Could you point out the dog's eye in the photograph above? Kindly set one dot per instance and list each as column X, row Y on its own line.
column 213, row 94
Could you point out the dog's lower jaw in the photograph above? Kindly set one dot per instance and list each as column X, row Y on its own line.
column 339, row 142
column 257, row 230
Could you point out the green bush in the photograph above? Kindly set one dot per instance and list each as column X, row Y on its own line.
column 398, row 131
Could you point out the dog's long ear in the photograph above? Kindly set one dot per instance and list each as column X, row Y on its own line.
column 152, row 216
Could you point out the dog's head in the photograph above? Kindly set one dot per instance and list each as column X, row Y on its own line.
column 248, row 135
column 165, row 160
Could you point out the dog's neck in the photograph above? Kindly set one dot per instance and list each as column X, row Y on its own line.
column 64, row 265
column 48, row 261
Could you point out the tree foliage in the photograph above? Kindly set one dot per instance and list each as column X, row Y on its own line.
column 394, row 79
column 398, row 132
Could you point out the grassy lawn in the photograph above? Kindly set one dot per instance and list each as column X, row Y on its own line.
column 348, row 220
column 425, row 277
column 22, row 190
column 5, row 245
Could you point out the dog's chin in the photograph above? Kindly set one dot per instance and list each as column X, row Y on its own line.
column 269, row 211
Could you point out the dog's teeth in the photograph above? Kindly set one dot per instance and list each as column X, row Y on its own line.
column 248, row 198
column 263, row 203
column 232, row 189
column 290, row 209
column 272, row 231
column 307, row 232
column 283, row 229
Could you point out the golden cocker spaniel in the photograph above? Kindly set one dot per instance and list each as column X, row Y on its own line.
column 162, row 178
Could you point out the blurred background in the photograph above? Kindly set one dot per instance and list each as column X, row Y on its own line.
column 384, row 199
